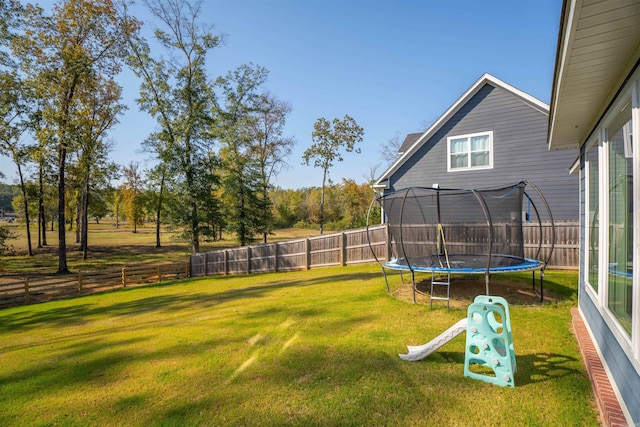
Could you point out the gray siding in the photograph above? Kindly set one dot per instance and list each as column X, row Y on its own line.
column 519, row 152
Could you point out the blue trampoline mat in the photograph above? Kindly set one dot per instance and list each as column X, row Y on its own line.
column 465, row 263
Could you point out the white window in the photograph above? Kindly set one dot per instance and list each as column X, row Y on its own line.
column 612, row 219
column 473, row 151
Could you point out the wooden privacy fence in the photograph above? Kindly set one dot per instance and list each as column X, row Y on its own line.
column 352, row 247
column 566, row 251
column 345, row 248
column 25, row 290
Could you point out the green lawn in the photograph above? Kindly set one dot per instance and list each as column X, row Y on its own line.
column 305, row 348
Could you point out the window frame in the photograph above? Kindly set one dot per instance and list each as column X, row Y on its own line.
column 594, row 144
column 629, row 342
column 469, row 152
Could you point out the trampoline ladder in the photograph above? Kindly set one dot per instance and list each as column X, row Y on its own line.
column 438, row 281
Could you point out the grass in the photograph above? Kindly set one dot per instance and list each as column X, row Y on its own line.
column 304, row 348
column 111, row 247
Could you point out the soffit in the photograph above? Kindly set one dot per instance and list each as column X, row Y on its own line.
column 598, row 46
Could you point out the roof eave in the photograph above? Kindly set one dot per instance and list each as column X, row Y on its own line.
column 577, row 105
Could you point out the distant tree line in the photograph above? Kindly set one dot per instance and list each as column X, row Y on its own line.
column 347, row 206
column 7, row 193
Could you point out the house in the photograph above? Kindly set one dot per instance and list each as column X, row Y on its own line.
column 595, row 108
column 493, row 135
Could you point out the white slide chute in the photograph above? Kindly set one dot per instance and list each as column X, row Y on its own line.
column 419, row 352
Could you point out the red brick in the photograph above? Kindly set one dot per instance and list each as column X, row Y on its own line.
column 606, row 400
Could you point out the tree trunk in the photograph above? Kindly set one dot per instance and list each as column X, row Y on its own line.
column 40, row 213
column 62, row 241
column 243, row 220
column 84, row 238
column 117, row 214
column 26, row 209
column 78, row 219
column 42, row 222
column 195, row 235
column 159, row 210
column 324, row 178
column 265, row 213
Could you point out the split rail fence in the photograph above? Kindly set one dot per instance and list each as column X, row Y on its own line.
column 25, row 290
column 352, row 247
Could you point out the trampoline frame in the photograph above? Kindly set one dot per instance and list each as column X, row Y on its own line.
column 529, row 264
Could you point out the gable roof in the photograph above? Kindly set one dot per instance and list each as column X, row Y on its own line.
column 598, row 48
column 409, row 140
column 407, row 152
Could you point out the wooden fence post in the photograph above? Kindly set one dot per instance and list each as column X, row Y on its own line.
column 248, row 259
column 124, row 277
column 308, row 254
column 226, row 263
column 275, row 257
column 388, row 242
column 343, row 249
column 27, row 295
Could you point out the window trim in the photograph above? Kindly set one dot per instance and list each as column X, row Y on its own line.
column 630, row 343
column 595, row 143
column 468, row 137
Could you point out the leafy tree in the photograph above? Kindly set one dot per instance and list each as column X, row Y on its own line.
column 132, row 190
column 101, row 107
column 156, row 186
column 98, row 205
column 7, row 193
column 5, row 235
column 10, row 12
column 329, row 139
column 13, row 119
column 114, row 199
column 241, row 178
column 356, row 199
column 80, row 43
column 44, row 175
column 270, row 147
column 210, row 202
column 176, row 92
column 19, row 204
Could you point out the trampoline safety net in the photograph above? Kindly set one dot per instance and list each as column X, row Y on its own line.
column 454, row 228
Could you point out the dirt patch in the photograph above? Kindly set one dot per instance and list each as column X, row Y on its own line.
column 464, row 289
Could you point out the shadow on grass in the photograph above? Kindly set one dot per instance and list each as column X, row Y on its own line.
column 531, row 368
column 516, row 288
column 540, row 367
column 179, row 299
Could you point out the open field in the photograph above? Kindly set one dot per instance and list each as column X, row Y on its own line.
column 111, row 247
column 305, row 348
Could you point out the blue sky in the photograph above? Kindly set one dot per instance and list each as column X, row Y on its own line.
column 393, row 66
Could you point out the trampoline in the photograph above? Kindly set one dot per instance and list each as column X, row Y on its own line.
column 463, row 231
